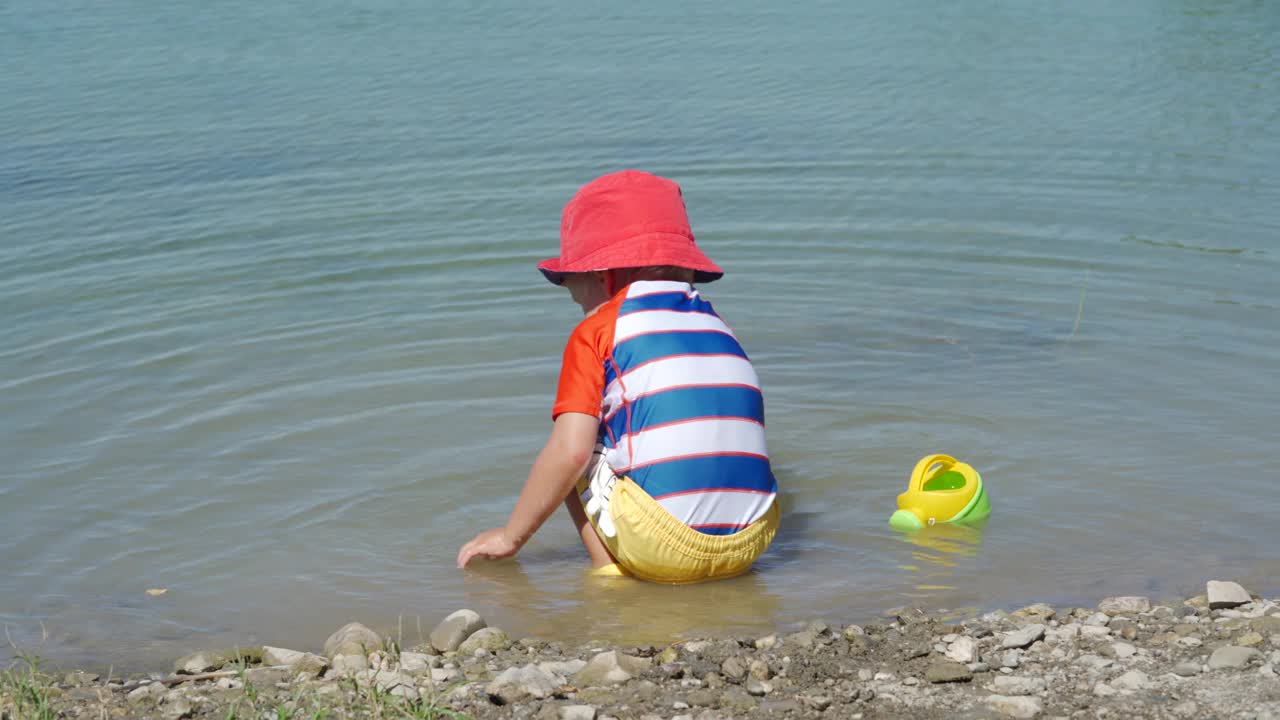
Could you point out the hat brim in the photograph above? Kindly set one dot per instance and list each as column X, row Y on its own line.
column 650, row 250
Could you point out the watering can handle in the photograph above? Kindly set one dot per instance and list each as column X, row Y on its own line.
column 922, row 468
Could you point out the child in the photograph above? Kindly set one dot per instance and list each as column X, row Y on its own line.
column 657, row 446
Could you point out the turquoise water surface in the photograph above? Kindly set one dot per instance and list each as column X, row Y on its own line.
column 273, row 341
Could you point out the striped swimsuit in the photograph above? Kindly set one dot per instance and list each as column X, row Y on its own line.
column 679, row 403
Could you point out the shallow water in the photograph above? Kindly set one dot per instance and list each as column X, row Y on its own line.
column 273, row 340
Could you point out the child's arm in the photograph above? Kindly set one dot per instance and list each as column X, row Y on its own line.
column 553, row 475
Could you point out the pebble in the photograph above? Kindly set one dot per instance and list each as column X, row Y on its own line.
column 963, row 650
column 768, row 642
column 1132, row 680
column 486, row 638
column 1098, row 619
column 1249, row 639
column 1023, row 637
column 759, row 688
column 1224, row 595
column 609, row 668
column 1010, row 658
column 578, row 712
column 1187, row 669
column 455, row 628
column 909, row 682
column 1094, row 631
column 1232, row 657
column 1015, row 707
column 1103, row 690
column 519, row 683
column 1011, row 685
column 352, row 639
column 1124, row 650
column 947, row 671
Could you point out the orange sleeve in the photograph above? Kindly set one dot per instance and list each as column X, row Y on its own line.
column 581, row 387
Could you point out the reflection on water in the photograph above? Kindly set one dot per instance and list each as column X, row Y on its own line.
column 939, row 555
column 619, row 609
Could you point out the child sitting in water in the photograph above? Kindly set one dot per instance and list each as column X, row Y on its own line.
column 658, row 443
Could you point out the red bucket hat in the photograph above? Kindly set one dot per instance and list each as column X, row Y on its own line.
column 627, row 219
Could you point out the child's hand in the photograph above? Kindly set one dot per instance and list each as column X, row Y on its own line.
column 491, row 545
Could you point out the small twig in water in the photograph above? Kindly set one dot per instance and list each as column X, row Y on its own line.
column 1080, row 309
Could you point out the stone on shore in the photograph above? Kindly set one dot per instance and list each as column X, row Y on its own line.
column 1015, row 707
column 1223, row 595
column 1132, row 680
column 521, row 683
column 609, row 668
column 295, row 660
column 1023, row 637
column 489, row 638
column 577, row 712
column 417, row 663
column 210, row 660
column 352, row 639
column 1232, row 657
column 348, row 665
column 454, row 629
column 963, row 650
column 948, row 671
column 1011, row 685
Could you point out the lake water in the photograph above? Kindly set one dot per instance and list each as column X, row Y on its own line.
column 273, row 340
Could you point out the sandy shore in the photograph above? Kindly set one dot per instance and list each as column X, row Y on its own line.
column 1212, row 656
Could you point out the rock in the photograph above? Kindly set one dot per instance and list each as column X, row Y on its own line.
column 817, row 702
column 759, row 688
column 210, row 660
column 417, row 663
column 296, row 661
column 759, row 669
column 456, row 628
column 265, row 677
column 1023, row 637
column 804, row 639
column 1186, row 709
column 521, row 683
column 769, row 642
column 1132, row 680
column 150, row 691
column 609, row 668
column 734, row 668
column 1010, row 658
column 1232, row 657
column 1104, row 690
column 1015, row 707
column 948, row 671
column 1098, row 619
column 348, row 665
column 445, row 675
column 1123, row 650
column 1039, row 612
column 963, row 650
column 1187, row 669
column 1224, row 595
column 1011, row 685
column 577, row 712
column 915, row 650
column 1094, row 662
column 1249, row 639
column 564, row 668
column 489, row 638
column 1094, row 632
column 352, row 639
column 179, row 709
column 1126, row 604
column 850, row 632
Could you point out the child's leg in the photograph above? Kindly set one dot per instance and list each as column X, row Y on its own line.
column 600, row 556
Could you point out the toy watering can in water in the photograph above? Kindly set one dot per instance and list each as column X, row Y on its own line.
column 942, row 490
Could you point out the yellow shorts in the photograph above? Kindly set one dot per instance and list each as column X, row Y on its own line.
column 651, row 544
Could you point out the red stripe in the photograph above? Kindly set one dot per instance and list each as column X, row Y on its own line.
column 673, row 458
column 710, row 490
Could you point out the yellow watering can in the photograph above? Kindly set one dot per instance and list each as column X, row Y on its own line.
column 942, row 490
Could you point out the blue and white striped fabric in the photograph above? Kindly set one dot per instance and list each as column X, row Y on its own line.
column 683, row 413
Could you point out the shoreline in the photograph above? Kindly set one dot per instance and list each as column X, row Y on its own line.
column 1215, row 654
